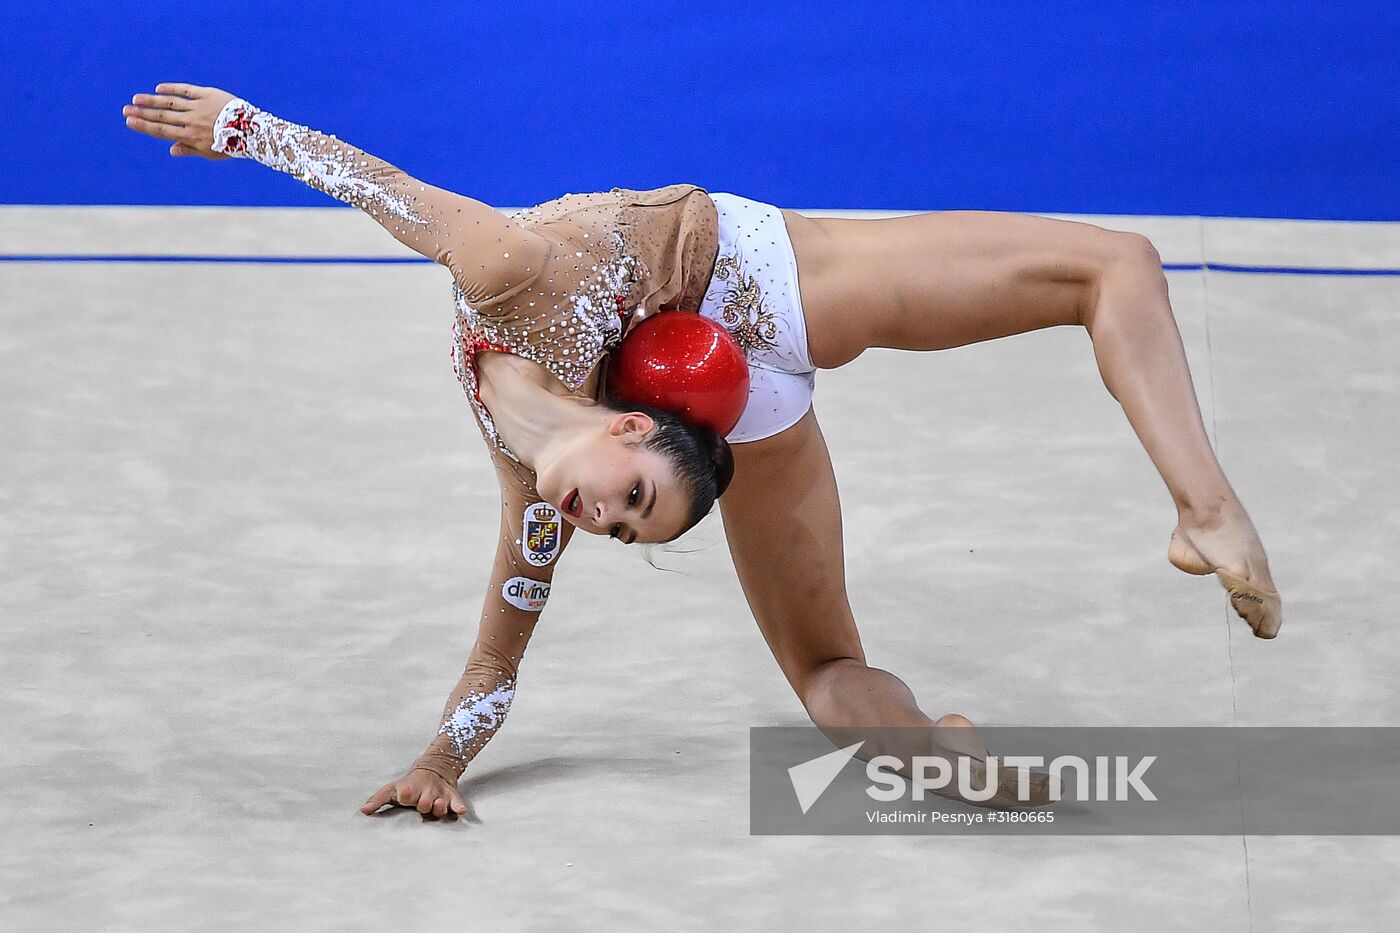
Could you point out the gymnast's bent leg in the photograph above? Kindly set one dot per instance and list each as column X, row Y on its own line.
column 935, row 281
column 782, row 520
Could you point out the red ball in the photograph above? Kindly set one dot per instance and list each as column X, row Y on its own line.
column 681, row 362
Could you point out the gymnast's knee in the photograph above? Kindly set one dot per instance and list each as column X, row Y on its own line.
column 1127, row 282
column 1135, row 252
column 1135, row 248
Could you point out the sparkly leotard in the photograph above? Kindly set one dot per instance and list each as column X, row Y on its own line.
column 611, row 260
column 558, row 284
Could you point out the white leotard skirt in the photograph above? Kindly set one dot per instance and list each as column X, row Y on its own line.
column 754, row 295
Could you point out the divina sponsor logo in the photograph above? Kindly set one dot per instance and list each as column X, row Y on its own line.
column 524, row 593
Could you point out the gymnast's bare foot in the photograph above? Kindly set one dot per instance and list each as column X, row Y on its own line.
column 1225, row 543
column 957, row 734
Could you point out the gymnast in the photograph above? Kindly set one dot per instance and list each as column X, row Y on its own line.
column 544, row 296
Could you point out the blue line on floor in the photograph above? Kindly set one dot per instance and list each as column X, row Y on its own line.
column 1294, row 270
column 1269, row 270
column 411, row 260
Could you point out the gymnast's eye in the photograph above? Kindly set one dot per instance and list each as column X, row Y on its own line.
column 635, row 495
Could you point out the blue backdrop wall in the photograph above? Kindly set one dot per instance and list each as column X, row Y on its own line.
column 1191, row 107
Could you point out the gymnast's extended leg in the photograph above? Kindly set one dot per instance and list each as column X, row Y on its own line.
column 935, row 281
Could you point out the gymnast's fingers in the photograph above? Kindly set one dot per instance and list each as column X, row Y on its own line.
column 425, row 802
column 158, row 130
column 439, row 807
column 179, row 90
column 459, row 806
column 162, row 102
column 171, row 117
column 382, row 797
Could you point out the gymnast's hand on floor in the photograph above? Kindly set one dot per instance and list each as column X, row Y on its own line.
column 424, row 791
column 181, row 113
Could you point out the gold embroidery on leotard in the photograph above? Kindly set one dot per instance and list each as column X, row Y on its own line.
column 745, row 312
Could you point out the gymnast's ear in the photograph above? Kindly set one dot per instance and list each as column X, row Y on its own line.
column 631, row 422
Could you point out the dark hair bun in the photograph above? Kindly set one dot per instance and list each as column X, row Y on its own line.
column 721, row 461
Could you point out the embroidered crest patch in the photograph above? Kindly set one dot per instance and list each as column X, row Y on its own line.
column 542, row 534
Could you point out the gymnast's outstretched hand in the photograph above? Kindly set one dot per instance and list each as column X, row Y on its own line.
column 184, row 114
column 423, row 790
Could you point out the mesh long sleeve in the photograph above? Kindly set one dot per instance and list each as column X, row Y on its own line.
column 532, row 536
column 488, row 252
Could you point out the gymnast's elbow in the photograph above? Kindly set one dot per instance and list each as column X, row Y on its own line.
column 484, row 274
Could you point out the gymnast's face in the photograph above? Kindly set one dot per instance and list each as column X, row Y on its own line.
column 608, row 483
